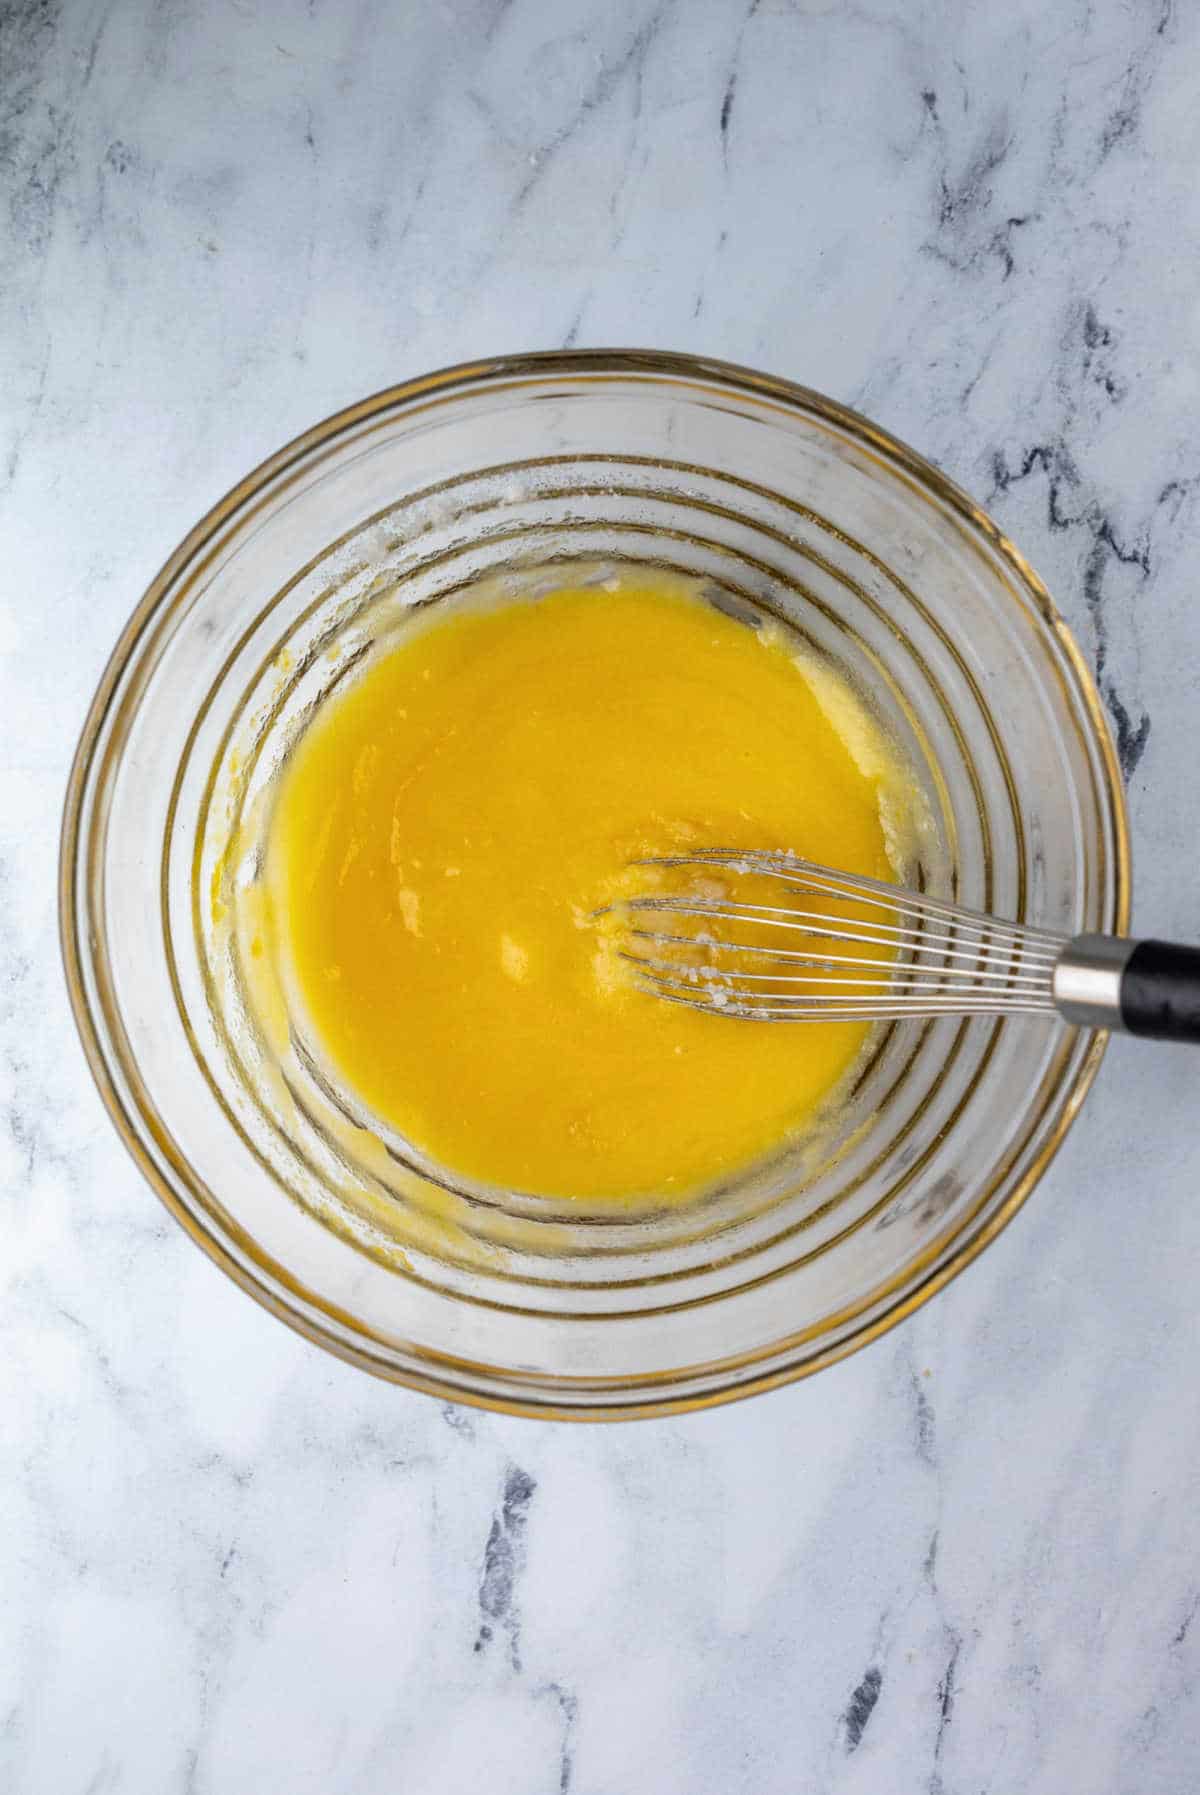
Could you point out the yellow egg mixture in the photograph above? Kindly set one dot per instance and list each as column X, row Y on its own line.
column 449, row 825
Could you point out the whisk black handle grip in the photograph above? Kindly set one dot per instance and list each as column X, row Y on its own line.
column 1160, row 991
column 1149, row 988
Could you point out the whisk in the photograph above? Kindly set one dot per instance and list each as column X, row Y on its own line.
column 839, row 947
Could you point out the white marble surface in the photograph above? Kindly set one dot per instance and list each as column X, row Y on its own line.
column 967, row 1559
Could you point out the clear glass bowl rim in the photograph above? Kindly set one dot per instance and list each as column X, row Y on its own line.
column 268, row 1289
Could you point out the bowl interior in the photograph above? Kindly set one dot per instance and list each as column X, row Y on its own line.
column 536, row 470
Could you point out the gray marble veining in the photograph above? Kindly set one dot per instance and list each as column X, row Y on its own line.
column 967, row 1559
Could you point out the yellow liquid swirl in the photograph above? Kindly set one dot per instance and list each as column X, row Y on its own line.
column 448, row 826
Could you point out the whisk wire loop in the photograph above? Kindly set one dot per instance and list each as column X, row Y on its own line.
column 809, row 961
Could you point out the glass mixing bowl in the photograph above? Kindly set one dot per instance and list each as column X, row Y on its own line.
column 788, row 503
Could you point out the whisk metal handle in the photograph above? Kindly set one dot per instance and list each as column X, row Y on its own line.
column 1149, row 988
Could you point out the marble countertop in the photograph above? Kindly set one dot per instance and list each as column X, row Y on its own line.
column 967, row 1559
